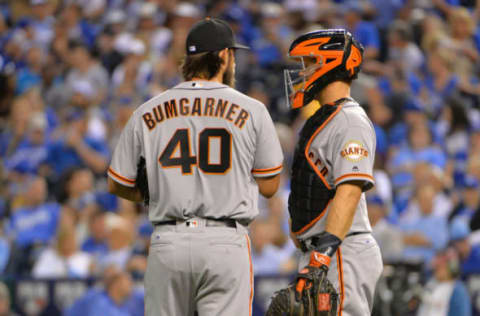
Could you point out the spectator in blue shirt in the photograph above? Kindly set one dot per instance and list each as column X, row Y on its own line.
column 469, row 254
column 266, row 257
column 76, row 148
column 117, row 299
column 426, row 234
column 36, row 222
column 420, row 149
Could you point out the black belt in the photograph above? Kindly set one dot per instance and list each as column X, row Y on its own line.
column 208, row 222
column 314, row 241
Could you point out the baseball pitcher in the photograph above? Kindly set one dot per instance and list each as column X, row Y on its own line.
column 206, row 151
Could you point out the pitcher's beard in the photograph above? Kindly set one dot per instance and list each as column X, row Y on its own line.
column 229, row 77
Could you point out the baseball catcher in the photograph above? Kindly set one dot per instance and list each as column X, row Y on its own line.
column 332, row 168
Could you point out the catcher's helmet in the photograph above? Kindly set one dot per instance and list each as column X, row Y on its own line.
column 335, row 55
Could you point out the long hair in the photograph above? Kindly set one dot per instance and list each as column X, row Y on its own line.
column 203, row 65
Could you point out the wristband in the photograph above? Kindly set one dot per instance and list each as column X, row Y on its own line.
column 326, row 243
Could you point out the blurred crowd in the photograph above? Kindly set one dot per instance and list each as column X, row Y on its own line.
column 73, row 71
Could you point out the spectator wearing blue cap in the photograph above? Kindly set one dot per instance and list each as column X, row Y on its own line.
column 470, row 201
column 469, row 253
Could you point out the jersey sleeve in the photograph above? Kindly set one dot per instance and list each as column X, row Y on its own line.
column 123, row 168
column 268, row 159
column 353, row 155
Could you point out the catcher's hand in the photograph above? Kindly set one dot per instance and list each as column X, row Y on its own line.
column 310, row 275
column 311, row 294
column 142, row 181
column 317, row 296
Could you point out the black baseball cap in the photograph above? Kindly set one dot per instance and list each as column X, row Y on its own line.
column 210, row 35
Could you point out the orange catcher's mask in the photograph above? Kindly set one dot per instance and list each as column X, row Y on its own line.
column 325, row 56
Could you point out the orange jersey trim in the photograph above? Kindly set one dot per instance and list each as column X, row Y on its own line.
column 268, row 170
column 307, row 148
column 306, row 227
column 340, row 280
column 354, row 175
column 119, row 177
column 250, row 300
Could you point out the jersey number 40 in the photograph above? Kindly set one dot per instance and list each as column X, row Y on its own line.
column 180, row 142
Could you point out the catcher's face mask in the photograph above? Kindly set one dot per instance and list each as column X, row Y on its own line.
column 325, row 56
column 297, row 80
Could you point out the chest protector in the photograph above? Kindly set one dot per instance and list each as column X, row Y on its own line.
column 309, row 195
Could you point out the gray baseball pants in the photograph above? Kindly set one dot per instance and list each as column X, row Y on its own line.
column 198, row 268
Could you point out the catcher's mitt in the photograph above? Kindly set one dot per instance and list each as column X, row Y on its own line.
column 320, row 299
column 142, row 181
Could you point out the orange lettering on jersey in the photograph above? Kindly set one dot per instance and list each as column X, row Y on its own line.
column 147, row 118
column 221, row 106
column 242, row 117
column 171, row 108
column 324, row 171
column 184, row 109
column 197, row 107
column 158, row 113
column 231, row 111
column 209, row 107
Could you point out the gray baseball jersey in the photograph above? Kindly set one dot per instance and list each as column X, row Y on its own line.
column 203, row 143
column 344, row 150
